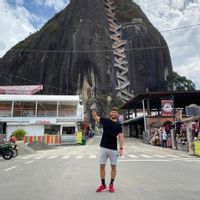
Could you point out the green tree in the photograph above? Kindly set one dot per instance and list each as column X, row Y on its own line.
column 179, row 83
column 19, row 134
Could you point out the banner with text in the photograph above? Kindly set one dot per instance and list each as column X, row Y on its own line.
column 167, row 106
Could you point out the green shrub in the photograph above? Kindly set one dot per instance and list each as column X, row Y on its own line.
column 19, row 134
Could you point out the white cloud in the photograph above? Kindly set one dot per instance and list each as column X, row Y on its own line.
column 56, row 4
column 184, row 44
column 15, row 21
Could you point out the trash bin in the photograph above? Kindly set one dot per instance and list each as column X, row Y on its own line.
column 83, row 141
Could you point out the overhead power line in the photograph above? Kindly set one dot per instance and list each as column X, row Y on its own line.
column 88, row 51
column 180, row 28
column 105, row 50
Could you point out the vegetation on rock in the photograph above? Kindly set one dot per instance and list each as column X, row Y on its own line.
column 175, row 82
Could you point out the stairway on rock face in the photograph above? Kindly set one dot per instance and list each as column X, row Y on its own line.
column 120, row 60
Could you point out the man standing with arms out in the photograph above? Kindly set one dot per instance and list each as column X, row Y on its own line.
column 112, row 131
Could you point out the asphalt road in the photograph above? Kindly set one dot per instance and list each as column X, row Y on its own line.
column 144, row 173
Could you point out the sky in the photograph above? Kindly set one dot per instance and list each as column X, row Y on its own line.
column 20, row 18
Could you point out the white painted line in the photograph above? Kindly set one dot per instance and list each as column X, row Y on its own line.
column 159, row 156
column 143, row 160
column 8, row 169
column 52, row 157
column 26, row 157
column 39, row 157
column 173, row 156
column 132, row 156
column 30, row 162
column 146, row 156
column 65, row 157
column 93, row 156
column 79, row 157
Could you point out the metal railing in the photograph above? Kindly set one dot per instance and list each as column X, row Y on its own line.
column 42, row 113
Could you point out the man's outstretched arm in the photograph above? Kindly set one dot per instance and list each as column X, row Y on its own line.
column 95, row 116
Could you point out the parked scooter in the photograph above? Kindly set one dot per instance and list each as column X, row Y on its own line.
column 6, row 151
column 14, row 146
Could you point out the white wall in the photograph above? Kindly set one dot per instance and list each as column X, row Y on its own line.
column 32, row 130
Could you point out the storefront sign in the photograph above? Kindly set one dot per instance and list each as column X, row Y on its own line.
column 43, row 121
column 167, row 107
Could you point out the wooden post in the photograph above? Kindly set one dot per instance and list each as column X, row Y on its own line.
column 190, row 139
column 148, row 107
column 36, row 108
column 12, row 108
column 173, row 139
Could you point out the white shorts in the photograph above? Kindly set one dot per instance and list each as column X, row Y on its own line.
column 105, row 153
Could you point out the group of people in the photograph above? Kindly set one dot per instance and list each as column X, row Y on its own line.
column 160, row 137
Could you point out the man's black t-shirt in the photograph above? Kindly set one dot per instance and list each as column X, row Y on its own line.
column 110, row 131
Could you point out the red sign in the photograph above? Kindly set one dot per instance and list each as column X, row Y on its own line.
column 21, row 89
column 167, row 107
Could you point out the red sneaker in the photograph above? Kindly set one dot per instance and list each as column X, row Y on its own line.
column 111, row 188
column 101, row 188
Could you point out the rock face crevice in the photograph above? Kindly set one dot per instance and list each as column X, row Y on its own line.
column 73, row 53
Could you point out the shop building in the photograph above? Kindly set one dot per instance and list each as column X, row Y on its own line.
column 41, row 114
column 147, row 112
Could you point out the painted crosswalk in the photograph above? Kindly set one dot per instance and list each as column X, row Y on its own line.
column 95, row 156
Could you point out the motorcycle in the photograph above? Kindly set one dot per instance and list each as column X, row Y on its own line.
column 6, row 151
column 15, row 150
column 13, row 145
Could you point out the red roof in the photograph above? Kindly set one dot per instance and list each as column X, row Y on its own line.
column 21, row 89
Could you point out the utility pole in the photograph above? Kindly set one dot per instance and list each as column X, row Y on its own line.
column 173, row 137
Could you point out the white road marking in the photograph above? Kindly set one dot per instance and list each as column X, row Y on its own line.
column 146, row 156
column 93, row 156
column 145, row 160
column 132, row 156
column 30, row 162
column 39, row 157
column 159, row 156
column 79, row 157
column 65, row 157
column 173, row 156
column 8, row 169
column 52, row 157
column 26, row 157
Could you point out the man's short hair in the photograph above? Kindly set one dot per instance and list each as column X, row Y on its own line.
column 114, row 109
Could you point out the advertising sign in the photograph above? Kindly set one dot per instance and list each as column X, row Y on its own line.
column 43, row 121
column 167, row 107
column 197, row 148
column 79, row 137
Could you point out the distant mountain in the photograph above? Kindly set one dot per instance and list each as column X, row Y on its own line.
column 73, row 52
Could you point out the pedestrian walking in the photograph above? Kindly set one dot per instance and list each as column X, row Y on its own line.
column 112, row 132
column 164, row 138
